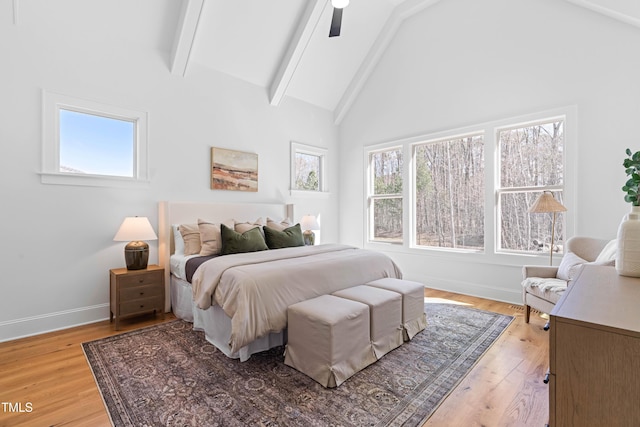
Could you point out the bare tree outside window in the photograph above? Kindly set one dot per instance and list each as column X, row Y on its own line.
column 531, row 161
column 386, row 197
column 449, row 188
column 307, row 171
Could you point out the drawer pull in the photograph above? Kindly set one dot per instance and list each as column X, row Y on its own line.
column 546, row 377
column 140, row 280
column 141, row 293
column 142, row 306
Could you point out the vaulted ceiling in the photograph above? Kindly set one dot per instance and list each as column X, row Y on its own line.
column 281, row 45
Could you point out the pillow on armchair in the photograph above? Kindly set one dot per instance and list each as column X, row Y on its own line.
column 569, row 266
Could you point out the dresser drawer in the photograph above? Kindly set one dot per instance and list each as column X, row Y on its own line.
column 141, row 306
column 152, row 278
column 140, row 292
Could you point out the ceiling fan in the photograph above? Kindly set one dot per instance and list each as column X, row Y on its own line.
column 336, row 21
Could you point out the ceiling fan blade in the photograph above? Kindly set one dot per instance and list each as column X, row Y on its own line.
column 336, row 22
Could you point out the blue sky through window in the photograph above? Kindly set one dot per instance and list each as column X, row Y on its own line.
column 97, row 145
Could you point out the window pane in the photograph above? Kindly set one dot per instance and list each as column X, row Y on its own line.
column 387, row 171
column 307, row 171
column 97, row 145
column 387, row 220
column 532, row 156
column 524, row 231
column 449, row 181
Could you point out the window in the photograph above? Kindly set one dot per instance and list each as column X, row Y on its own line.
column 86, row 143
column 385, row 195
column 308, row 169
column 469, row 190
column 449, row 193
column 531, row 161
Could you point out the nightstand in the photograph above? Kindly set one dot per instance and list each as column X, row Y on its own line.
column 135, row 292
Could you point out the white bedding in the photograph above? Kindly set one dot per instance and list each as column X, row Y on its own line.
column 178, row 263
column 254, row 289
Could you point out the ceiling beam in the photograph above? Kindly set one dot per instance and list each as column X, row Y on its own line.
column 399, row 14
column 15, row 12
column 185, row 35
column 627, row 19
column 295, row 51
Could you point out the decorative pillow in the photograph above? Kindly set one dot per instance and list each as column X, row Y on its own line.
column 178, row 242
column 289, row 237
column 241, row 227
column 191, row 237
column 285, row 223
column 234, row 242
column 210, row 236
column 608, row 254
column 569, row 266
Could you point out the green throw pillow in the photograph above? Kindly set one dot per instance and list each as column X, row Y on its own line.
column 236, row 243
column 286, row 238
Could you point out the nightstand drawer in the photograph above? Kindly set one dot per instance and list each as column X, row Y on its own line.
column 140, row 292
column 140, row 306
column 150, row 278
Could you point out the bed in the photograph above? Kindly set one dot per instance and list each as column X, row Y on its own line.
column 240, row 300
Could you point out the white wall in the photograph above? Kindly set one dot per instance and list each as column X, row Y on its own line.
column 464, row 62
column 57, row 245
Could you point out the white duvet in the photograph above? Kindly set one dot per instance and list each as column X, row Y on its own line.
column 254, row 289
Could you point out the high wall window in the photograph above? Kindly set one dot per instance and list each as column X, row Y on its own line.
column 470, row 189
column 531, row 161
column 88, row 143
column 385, row 195
column 308, row 168
column 449, row 193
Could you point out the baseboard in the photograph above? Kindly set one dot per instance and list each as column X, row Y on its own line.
column 476, row 290
column 36, row 325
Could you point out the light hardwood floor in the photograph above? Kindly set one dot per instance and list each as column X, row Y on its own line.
column 50, row 373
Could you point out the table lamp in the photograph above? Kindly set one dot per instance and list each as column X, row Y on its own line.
column 135, row 229
column 309, row 223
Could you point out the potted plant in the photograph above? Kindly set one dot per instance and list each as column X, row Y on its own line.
column 632, row 187
column 628, row 252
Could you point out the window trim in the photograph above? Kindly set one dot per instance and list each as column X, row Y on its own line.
column 490, row 254
column 297, row 147
column 371, row 196
column 50, row 172
column 500, row 190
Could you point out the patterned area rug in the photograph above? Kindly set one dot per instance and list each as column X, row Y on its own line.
column 169, row 375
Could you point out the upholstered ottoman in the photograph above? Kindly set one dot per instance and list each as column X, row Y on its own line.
column 414, row 319
column 328, row 339
column 385, row 311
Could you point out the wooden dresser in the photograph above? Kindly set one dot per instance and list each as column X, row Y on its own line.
column 595, row 351
column 135, row 292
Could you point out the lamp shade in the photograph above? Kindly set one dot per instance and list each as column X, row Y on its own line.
column 340, row 4
column 135, row 228
column 546, row 204
column 309, row 222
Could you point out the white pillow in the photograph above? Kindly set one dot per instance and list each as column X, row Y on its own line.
column 178, row 241
column 569, row 266
column 280, row 226
column 608, row 254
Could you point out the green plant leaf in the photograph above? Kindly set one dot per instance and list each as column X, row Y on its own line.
column 628, row 152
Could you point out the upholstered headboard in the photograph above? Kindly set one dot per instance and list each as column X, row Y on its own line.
column 189, row 212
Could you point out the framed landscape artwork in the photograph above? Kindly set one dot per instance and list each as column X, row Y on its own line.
column 233, row 170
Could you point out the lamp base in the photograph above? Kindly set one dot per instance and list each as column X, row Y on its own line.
column 309, row 238
column 136, row 255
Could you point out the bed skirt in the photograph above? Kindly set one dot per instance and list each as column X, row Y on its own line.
column 215, row 323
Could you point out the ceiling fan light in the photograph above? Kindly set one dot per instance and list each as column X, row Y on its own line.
column 340, row 4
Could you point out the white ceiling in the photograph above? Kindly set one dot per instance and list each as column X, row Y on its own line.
column 281, row 45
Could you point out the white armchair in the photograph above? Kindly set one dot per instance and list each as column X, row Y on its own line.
column 542, row 286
